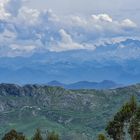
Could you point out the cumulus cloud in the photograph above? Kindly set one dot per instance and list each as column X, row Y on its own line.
column 3, row 13
column 24, row 30
column 102, row 17
column 66, row 43
column 28, row 16
column 127, row 23
column 12, row 6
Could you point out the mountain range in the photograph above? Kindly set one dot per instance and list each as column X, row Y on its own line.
column 112, row 61
column 86, row 85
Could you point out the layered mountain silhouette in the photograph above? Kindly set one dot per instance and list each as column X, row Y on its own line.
column 112, row 61
column 106, row 84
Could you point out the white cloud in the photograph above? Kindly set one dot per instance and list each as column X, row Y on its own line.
column 3, row 13
column 78, row 21
column 23, row 29
column 66, row 43
column 28, row 16
column 128, row 23
column 66, row 38
column 12, row 6
column 102, row 18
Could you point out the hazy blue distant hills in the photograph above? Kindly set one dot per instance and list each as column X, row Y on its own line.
column 56, row 83
column 106, row 84
column 111, row 61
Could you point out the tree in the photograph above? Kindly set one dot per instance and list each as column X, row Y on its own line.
column 101, row 137
column 37, row 135
column 115, row 128
column 134, row 128
column 53, row 136
column 14, row 135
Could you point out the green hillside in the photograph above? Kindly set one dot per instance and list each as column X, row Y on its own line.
column 75, row 114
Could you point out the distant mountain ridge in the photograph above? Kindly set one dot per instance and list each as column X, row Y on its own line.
column 106, row 84
column 112, row 61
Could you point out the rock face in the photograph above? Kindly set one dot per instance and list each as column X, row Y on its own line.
column 69, row 112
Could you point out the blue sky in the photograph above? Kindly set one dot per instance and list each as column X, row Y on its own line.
column 29, row 26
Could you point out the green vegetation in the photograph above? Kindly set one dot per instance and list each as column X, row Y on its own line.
column 37, row 135
column 125, row 124
column 74, row 114
column 14, row 135
column 102, row 137
column 115, row 128
column 53, row 136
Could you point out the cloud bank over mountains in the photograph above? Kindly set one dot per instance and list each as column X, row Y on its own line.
column 24, row 31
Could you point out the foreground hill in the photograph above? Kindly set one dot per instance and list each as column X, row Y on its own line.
column 72, row 113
